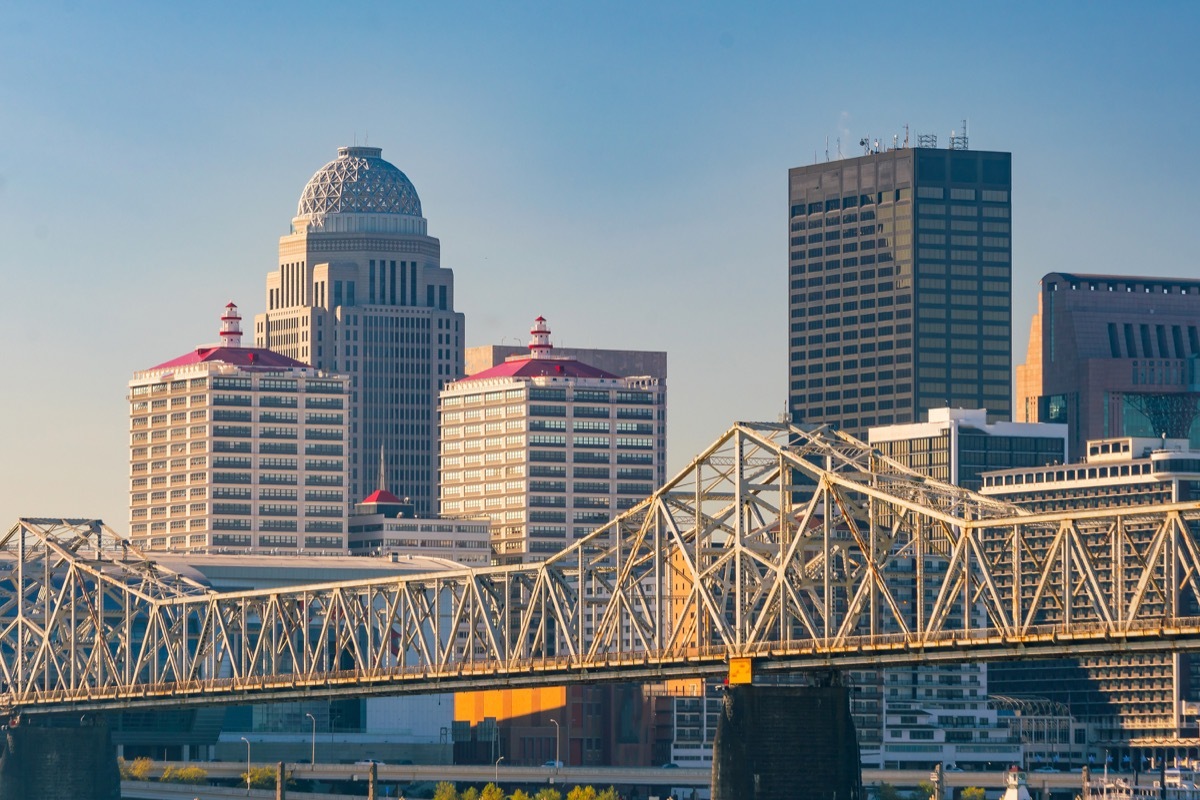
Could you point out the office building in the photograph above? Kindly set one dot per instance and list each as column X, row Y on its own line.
column 915, row 717
column 1113, row 356
column 1132, row 704
column 957, row 445
column 383, row 524
column 549, row 447
column 360, row 290
column 237, row 447
column 900, row 270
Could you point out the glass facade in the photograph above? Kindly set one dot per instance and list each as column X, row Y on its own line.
column 900, row 285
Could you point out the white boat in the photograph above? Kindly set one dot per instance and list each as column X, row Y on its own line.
column 1175, row 784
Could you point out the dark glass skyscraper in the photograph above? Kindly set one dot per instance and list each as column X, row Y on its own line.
column 900, row 298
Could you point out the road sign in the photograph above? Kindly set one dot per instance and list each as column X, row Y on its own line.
column 741, row 671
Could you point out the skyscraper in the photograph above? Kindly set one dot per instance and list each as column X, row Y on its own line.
column 550, row 448
column 360, row 290
column 1113, row 355
column 237, row 447
column 900, row 273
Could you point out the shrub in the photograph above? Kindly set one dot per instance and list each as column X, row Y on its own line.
column 136, row 770
column 193, row 775
column 445, row 791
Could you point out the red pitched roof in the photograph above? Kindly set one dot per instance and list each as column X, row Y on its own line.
column 381, row 496
column 252, row 357
column 533, row 367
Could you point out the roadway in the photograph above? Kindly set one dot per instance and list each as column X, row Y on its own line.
column 599, row 777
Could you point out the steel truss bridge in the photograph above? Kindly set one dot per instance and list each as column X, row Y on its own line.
column 799, row 549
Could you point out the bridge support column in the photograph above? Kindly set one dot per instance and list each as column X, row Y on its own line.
column 786, row 743
column 58, row 763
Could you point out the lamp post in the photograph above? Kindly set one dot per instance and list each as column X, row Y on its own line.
column 312, row 762
column 497, row 780
column 557, row 744
column 247, row 741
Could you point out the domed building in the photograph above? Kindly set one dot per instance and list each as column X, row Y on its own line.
column 360, row 290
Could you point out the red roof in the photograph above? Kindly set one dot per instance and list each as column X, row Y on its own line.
column 259, row 357
column 533, row 367
column 381, row 496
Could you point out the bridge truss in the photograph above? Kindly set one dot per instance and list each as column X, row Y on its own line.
column 797, row 548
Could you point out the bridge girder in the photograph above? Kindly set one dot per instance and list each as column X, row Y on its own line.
column 800, row 548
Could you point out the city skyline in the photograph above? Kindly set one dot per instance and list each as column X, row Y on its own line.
column 609, row 170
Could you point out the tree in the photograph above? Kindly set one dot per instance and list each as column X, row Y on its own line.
column 888, row 792
column 971, row 793
column 470, row 793
column 519, row 794
column 493, row 792
column 189, row 774
column 609, row 794
column 582, row 793
column 260, row 778
column 137, row 770
column 548, row 793
column 924, row 791
column 445, row 791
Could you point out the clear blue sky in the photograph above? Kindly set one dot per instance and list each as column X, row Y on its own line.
column 618, row 168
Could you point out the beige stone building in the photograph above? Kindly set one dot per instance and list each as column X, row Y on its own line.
column 360, row 290
column 237, row 447
column 549, row 447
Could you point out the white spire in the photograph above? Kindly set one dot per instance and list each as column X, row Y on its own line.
column 539, row 344
column 231, row 327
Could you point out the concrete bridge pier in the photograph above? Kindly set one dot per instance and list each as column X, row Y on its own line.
column 786, row 743
column 58, row 763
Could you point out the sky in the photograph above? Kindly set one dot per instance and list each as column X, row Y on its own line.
column 619, row 168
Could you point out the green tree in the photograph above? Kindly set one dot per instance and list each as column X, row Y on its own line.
column 582, row 793
column 888, row 792
column 445, row 791
column 189, row 774
column 548, row 793
column 519, row 794
column 924, row 791
column 971, row 793
column 137, row 770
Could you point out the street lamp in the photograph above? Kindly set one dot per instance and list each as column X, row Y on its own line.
column 557, row 743
column 497, row 780
column 247, row 741
column 312, row 762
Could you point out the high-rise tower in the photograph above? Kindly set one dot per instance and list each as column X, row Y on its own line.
column 900, row 273
column 360, row 290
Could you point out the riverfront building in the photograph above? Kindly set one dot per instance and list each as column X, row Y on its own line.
column 360, row 290
column 1132, row 704
column 383, row 524
column 237, row 447
column 900, row 278
column 549, row 447
column 918, row 716
column 1113, row 356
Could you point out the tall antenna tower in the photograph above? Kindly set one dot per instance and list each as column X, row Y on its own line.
column 959, row 142
column 926, row 140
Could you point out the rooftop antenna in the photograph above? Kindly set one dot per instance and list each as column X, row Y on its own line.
column 839, row 150
column 959, row 142
column 826, row 148
column 865, row 144
column 906, row 136
column 895, row 141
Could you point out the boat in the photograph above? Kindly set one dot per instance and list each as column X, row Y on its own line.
column 1172, row 784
